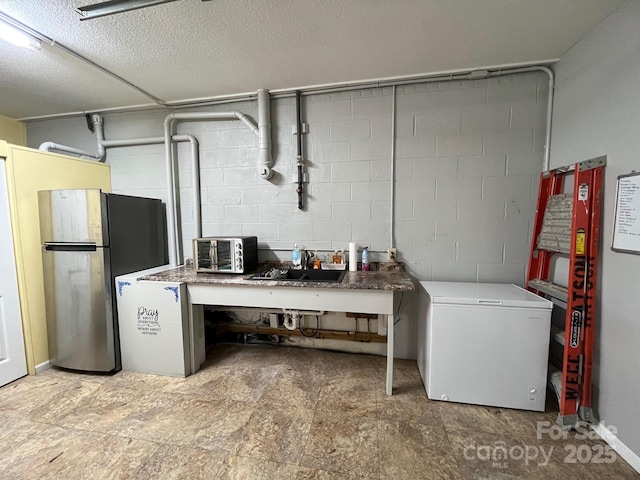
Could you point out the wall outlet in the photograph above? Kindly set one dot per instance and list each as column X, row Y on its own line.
column 392, row 253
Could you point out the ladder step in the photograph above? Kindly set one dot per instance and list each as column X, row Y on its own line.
column 553, row 289
column 555, row 380
column 555, row 244
column 557, row 334
column 555, row 235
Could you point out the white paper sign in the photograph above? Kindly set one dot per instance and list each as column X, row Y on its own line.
column 626, row 226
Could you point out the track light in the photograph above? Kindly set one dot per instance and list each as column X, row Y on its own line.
column 13, row 32
column 115, row 6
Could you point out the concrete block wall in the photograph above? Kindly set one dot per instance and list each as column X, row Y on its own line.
column 466, row 192
column 467, row 159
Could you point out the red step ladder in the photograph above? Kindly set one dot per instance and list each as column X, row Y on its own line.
column 567, row 224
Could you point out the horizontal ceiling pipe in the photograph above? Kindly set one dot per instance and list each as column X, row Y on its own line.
column 505, row 69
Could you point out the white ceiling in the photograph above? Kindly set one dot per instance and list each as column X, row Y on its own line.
column 192, row 49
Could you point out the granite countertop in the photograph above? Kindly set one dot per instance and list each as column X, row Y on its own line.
column 374, row 280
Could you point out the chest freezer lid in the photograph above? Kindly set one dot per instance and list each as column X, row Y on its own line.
column 485, row 294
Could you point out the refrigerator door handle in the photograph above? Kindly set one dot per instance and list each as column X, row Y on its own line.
column 70, row 247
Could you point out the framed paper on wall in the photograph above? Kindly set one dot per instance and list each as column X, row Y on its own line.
column 626, row 223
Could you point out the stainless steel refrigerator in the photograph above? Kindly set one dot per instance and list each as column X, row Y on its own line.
column 89, row 237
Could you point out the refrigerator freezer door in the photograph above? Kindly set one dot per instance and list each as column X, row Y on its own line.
column 73, row 216
column 79, row 311
column 137, row 233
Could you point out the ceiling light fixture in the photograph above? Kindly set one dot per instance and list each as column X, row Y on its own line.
column 17, row 34
column 115, row 6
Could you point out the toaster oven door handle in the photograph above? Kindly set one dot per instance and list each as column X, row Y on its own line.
column 214, row 254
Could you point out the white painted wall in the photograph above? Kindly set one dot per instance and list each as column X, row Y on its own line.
column 468, row 156
column 596, row 113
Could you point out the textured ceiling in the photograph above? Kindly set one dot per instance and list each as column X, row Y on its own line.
column 192, row 49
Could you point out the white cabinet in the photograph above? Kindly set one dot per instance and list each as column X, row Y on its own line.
column 158, row 333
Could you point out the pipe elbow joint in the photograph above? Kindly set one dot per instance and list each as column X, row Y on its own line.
column 265, row 172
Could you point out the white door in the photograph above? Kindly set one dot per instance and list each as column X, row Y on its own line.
column 13, row 364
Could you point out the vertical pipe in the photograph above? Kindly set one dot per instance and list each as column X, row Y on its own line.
column 393, row 164
column 300, row 188
column 547, row 139
column 195, row 182
column 171, row 219
column 264, row 134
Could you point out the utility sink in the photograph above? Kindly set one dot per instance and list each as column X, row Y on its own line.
column 289, row 274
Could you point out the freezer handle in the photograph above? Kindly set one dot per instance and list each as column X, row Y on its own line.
column 70, row 247
column 489, row 302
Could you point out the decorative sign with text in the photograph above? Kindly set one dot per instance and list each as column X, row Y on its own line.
column 148, row 321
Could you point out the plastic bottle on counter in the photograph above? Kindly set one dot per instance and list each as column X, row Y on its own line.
column 296, row 257
column 365, row 259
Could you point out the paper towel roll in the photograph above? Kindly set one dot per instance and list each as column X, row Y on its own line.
column 353, row 257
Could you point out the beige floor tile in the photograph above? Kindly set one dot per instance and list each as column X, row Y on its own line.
column 410, row 450
column 261, row 411
column 152, row 419
column 292, row 387
column 15, row 431
column 47, row 454
column 475, row 418
column 32, row 393
column 244, row 468
column 346, row 443
column 305, row 473
column 181, row 462
column 409, row 398
column 104, row 411
column 211, row 425
column 349, row 392
column 276, row 433
column 112, row 458
column 241, row 383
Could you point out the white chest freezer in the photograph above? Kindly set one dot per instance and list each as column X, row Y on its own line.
column 484, row 343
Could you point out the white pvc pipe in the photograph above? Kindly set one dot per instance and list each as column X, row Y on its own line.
column 264, row 134
column 98, row 128
column 393, row 164
column 195, row 181
column 56, row 147
column 195, row 168
column 169, row 122
column 549, row 72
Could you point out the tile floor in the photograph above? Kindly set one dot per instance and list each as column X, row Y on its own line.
column 261, row 412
